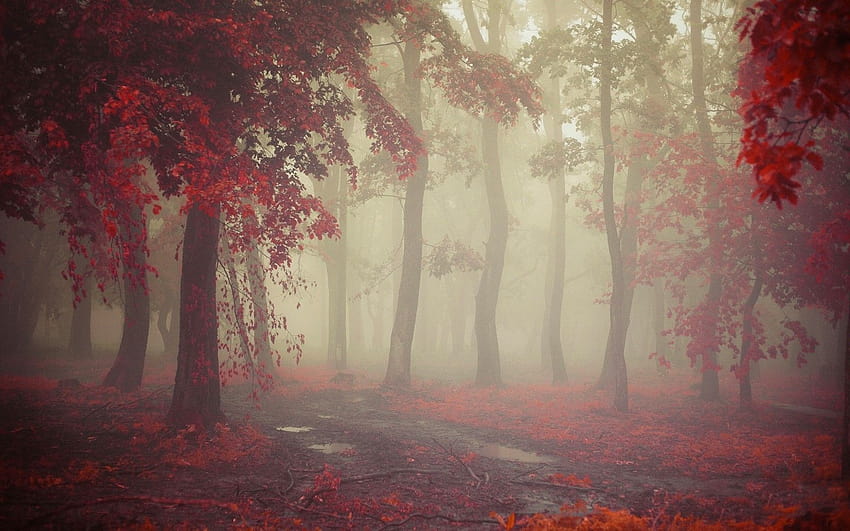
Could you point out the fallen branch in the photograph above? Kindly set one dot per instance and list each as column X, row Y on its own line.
column 386, row 473
column 478, row 481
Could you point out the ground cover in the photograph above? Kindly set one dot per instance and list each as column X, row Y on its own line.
column 325, row 452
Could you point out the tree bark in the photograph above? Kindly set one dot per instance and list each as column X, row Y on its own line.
column 619, row 323
column 260, row 305
column 333, row 192
column 557, row 229
column 404, row 324
column 744, row 382
column 197, row 386
column 489, row 372
column 710, row 387
column 126, row 371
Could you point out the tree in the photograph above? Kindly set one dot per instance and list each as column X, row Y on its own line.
column 404, row 323
column 619, row 321
column 126, row 371
column 710, row 388
column 793, row 79
column 228, row 105
column 478, row 82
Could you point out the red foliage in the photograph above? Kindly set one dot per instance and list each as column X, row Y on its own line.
column 795, row 76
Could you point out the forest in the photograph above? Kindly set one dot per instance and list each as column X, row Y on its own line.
column 425, row 264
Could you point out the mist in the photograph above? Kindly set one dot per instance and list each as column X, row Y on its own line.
column 482, row 264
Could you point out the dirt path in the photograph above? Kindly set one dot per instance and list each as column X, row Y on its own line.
column 333, row 458
column 357, row 433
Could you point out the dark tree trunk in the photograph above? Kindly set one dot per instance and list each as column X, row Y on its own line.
column 619, row 323
column 23, row 288
column 79, row 344
column 489, row 372
column 710, row 388
column 557, row 230
column 197, row 386
column 404, row 324
column 126, row 371
column 744, row 382
column 639, row 165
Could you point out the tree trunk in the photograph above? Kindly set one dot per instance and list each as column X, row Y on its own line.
column 404, row 324
column 260, row 305
column 126, row 371
column 79, row 344
column 744, row 383
column 619, row 323
column 232, row 280
column 662, row 347
column 333, row 191
column 197, row 386
column 489, row 372
column 554, row 296
column 167, row 324
column 23, row 288
column 710, row 388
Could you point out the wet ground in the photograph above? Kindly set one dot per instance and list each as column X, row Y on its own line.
column 337, row 456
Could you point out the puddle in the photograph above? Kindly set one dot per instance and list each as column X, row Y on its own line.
column 332, row 448
column 294, row 429
column 497, row 451
column 327, row 417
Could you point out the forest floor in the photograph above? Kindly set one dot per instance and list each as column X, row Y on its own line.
column 351, row 454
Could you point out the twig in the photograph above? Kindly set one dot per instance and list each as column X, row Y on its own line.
column 391, row 472
column 478, row 481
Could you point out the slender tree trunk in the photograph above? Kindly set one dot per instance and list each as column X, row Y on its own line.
column 197, row 386
column 619, row 322
column 166, row 323
column 489, row 370
column 556, row 265
column 628, row 250
column 126, row 371
column 260, row 305
column 662, row 347
column 744, row 383
column 404, row 325
column 333, row 192
column 79, row 344
column 232, row 280
column 710, row 388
